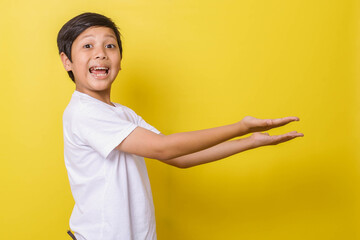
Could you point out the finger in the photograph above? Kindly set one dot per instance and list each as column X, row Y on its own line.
column 286, row 137
column 298, row 134
column 286, row 120
column 281, row 121
column 294, row 134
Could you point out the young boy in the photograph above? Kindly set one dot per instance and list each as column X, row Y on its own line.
column 105, row 143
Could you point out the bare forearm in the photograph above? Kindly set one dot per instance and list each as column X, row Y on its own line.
column 145, row 143
column 214, row 153
column 180, row 144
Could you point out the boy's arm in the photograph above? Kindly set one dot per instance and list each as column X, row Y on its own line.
column 229, row 148
column 145, row 143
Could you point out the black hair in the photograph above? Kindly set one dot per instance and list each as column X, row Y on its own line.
column 75, row 26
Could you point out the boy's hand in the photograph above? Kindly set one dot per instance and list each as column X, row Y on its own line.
column 264, row 139
column 252, row 124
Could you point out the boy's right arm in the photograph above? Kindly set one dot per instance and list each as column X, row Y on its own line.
column 145, row 143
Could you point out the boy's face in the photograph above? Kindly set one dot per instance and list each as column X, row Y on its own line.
column 95, row 59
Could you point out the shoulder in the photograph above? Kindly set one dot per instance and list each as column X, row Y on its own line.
column 125, row 109
column 79, row 109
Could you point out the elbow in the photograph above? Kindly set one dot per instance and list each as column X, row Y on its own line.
column 161, row 149
column 182, row 166
column 175, row 162
column 163, row 155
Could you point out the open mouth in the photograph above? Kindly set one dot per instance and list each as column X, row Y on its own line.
column 99, row 71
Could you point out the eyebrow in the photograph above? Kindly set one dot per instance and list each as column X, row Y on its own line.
column 90, row 35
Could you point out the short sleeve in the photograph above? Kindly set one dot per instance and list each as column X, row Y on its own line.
column 101, row 130
column 141, row 122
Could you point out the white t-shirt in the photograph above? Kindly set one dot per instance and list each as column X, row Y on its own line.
column 111, row 189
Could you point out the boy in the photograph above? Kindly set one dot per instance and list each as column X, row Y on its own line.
column 105, row 143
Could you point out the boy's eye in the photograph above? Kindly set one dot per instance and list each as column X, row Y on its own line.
column 110, row 46
column 87, row 45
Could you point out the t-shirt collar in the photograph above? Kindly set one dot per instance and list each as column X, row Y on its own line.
column 76, row 92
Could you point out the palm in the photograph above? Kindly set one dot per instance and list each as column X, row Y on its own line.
column 263, row 139
column 260, row 125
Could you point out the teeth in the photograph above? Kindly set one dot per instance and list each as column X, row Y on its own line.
column 98, row 68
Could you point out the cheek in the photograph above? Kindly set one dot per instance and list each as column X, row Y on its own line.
column 82, row 67
column 116, row 59
column 80, row 70
column 116, row 64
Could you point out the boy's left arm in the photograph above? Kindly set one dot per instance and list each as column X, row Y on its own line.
column 229, row 148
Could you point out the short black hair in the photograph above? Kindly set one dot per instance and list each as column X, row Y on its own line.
column 75, row 26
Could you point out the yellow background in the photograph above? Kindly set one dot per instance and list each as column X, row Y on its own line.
column 191, row 65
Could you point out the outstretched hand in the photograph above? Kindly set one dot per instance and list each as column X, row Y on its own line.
column 259, row 125
column 259, row 139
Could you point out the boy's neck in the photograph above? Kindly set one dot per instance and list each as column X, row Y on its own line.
column 103, row 96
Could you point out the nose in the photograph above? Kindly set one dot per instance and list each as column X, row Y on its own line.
column 100, row 53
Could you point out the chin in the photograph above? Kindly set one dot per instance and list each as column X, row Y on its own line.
column 101, row 83
column 98, row 87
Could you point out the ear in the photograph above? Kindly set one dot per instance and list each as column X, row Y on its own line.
column 66, row 61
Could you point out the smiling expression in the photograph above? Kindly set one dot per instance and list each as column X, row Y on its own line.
column 95, row 60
